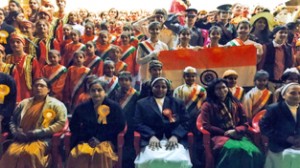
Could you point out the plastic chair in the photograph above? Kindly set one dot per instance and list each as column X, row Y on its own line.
column 120, row 144
column 55, row 141
column 209, row 159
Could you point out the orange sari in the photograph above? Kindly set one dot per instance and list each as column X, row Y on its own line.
column 33, row 154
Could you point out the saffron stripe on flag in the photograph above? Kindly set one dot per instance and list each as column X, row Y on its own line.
column 240, row 58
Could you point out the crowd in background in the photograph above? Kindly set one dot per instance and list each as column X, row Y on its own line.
column 102, row 70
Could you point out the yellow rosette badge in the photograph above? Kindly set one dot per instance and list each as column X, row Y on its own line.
column 49, row 116
column 4, row 90
column 103, row 112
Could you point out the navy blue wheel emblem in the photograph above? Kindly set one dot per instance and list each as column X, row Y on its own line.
column 207, row 76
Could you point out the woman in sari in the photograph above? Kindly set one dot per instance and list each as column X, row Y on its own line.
column 33, row 123
column 224, row 117
column 281, row 125
column 163, row 124
column 95, row 125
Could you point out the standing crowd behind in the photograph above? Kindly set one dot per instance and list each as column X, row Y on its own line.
column 99, row 73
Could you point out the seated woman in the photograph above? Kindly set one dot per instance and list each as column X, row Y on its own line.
column 163, row 123
column 281, row 125
column 224, row 117
column 33, row 123
column 95, row 125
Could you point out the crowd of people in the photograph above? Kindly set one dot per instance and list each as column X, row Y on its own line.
column 101, row 73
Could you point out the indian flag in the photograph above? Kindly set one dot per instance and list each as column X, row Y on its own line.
column 210, row 63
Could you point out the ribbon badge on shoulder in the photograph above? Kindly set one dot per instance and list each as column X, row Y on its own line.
column 3, row 36
column 48, row 116
column 168, row 113
column 4, row 90
column 103, row 112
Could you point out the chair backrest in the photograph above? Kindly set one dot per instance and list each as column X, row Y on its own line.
column 199, row 123
column 257, row 117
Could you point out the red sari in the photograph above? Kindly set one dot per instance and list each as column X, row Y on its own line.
column 57, row 76
column 95, row 64
column 28, row 70
column 74, row 84
column 70, row 49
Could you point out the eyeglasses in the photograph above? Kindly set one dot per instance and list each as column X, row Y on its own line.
column 232, row 78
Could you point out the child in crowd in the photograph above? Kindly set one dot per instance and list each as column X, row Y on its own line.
column 127, row 28
column 72, row 48
column 89, row 33
column 67, row 29
column 43, row 42
column 75, row 80
column 191, row 93
column 127, row 97
column 184, row 39
column 27, row 29
column 243, row 31
column 109, row 78
column 56, row 74
column 102, row 44
column 231, row 76
column 84, row 96
column 129, row 54
column 149, row 50
column 115, row 55
column 155, row 70
column 215, row 33
column 93, row 61
column 290, row 75
column 27, row 66
column 259, row 96
column 277, row 56
column 5, row 68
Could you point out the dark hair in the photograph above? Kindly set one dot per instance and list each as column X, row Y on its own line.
column 11, row 16
column 154, row 24
column 87, row 82
column 286, row 76
column 211, row 96
column 291, row 27
column 104, row 26
column 48, row 83
column 18, row 5
column 125, row 34
column 161, row 11
column 91, row 43
column 54, row 52
column 243, row 22
column 125, row 74
column 217, row 28
column 117, row 12
column 90, row 24
column 78, row 53
column 96, row 81
column 3, row 11
column 265, row 34
column 277, row 29
column 185, row 30
column 128, row 26
column 76, row 32
column 261, row 73
column 169, row 93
